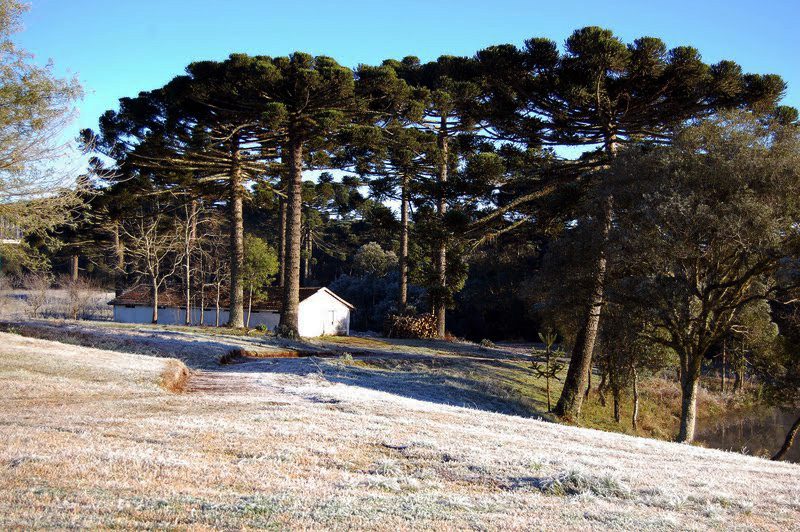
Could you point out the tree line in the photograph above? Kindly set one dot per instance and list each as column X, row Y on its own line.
column 634, row 198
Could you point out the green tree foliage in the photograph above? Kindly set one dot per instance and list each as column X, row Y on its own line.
column 40, row 187
column 371, row 259
column 258, row 269
column 601, row 94
column 703, row 229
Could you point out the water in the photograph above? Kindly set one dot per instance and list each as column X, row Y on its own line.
column 759, row 432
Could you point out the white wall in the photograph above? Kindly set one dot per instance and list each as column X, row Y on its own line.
column 177, row 316
column 323, row 314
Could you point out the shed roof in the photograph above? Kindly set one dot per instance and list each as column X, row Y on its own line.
column 270, row 300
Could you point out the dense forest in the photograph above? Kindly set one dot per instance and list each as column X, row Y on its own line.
column 630, row 202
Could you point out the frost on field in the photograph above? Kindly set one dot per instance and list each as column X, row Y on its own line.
column 91, row 440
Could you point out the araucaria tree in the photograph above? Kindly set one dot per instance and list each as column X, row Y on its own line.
column 312, row 99
column 602, row 95
column 389, row 149
column 446, row 92
column 204, row 131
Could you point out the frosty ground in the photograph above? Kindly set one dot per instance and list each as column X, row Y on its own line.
column 93, row 438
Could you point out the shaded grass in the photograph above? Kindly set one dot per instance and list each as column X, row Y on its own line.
column 514, row 382
column 355, row 341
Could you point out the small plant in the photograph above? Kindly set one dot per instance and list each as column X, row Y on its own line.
column 487, row 343
column 346, row 358
column 551, row 367
column 577, row 483
column 262, row 328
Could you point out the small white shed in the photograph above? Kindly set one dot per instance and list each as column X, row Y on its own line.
column 321, row 312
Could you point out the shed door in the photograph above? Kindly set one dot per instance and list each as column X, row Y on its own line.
column 329, row 325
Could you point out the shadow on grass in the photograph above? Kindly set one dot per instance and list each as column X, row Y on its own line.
column 462, row 384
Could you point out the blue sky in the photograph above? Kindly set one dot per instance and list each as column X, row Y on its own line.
column 118, row 48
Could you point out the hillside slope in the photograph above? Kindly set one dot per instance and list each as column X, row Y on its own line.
column 90, row 439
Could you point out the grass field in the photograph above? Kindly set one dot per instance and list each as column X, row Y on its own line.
column 94, row 438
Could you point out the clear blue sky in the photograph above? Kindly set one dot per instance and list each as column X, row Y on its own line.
column 118, row 48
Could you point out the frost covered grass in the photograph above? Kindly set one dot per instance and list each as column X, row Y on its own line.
column 449, row 372
column 90, row 439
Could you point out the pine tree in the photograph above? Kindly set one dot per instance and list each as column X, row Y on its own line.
column 603, row 95
column 312, row 99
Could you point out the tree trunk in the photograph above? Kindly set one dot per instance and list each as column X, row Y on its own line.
column 601, row 388
column 291, row 292
column 787, row 444
column 236, row 318
column 738, row 380
column 403, row 299
column 616, row 396
column 73, row 267
column 307, row 254
column 188, row 274
column 547, row 380
column 155, row 301
column 440, row 260
column 635, row 415
column 249, row 306
column 724, row 368
column 282, row 244
column 202, row 304
column 219, row 289
column 191, row 233
column 119, row 252
column 202, row 274
column 580, row 363
column 690, row 380
column 588, row 385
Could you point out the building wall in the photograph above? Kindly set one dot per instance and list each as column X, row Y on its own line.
column 323, row 314
column 177, row 316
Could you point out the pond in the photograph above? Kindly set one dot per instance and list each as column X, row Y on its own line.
column 760, row 432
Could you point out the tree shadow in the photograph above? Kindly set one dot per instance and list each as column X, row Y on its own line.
column 411, row 383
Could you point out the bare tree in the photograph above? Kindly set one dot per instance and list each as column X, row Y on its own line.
column 154, row 251
column 188, row 227
column 37, row 285
column 214, row 261
column 79, row 292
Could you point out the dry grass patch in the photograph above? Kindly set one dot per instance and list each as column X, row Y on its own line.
column 175, row 376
